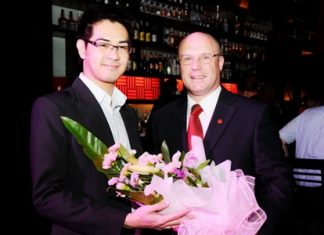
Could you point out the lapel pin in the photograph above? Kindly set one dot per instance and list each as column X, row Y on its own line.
column 220, row 121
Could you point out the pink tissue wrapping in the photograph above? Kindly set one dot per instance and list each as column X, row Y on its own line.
column 228, row 206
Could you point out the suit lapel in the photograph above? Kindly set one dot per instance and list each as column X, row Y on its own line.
column 174, row 126
column 181, row 125
column 221, row 118
column 92, row 115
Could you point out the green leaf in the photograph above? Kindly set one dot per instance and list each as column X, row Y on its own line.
column 203, row 165
column 190, row 181
column 124, row 153
column 146, row 200
column 140, row 197
column 144, row 169
column 93, row 147
column 182, row 156
column 165, row 152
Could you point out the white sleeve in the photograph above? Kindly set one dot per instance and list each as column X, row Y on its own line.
column 288, row 132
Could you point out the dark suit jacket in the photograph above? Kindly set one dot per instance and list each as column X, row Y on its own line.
column 240, row 130
column 67, row 188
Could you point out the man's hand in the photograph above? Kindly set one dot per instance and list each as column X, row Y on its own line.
column 149, row 217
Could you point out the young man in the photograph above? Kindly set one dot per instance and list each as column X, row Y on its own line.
column 67, row 188
column 234, row 127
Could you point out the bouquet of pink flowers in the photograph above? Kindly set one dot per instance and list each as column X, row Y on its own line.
column 130, row 176
column 222, row 200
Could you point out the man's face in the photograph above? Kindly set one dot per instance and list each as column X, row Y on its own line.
column 105, row 54
column 200, row 63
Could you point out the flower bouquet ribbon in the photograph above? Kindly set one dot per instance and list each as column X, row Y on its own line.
column 221, row 200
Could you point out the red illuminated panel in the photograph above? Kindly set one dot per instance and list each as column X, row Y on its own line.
column 139, row 88
column 179, row 86
column 232, row 87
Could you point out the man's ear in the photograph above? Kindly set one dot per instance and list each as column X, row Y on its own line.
column 81, row 46
column 220, row 62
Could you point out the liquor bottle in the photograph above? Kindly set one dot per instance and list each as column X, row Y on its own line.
column 127, row 4
column 217, row 14
column 136, row 31
column 225, row 25
column 134, row 59
column 237, row 25
column 62, row 21
column 71, row 22
column 154, row 34
column 142, row 31
column 143, row 125
column 186, row 14
column 171, row 38
column 147, row 32
column 77, row 22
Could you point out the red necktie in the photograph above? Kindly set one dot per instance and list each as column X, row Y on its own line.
column 194, row 127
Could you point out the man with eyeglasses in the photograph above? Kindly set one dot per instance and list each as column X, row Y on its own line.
column 67, row 188
column 233, row 127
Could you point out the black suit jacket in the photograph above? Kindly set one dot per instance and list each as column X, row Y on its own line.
column 240, row 130
column 67, row 188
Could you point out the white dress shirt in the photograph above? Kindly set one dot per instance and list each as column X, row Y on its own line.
column 208, row 104
column 110, row 106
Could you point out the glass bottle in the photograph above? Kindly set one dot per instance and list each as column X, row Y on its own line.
column 62, row 21
column 71, row 22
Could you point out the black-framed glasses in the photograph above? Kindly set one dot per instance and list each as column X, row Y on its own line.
column 204, row 58
column 104, row 46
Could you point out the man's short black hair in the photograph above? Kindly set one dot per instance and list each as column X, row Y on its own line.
column 103, row 12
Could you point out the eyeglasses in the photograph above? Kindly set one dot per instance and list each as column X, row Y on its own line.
column 105, row 46
column 205, row 58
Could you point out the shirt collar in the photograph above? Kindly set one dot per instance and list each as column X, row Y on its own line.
column 117, row 99
column 208, row 104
